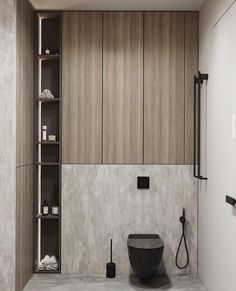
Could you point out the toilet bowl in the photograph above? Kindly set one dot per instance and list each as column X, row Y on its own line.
column 145, row 253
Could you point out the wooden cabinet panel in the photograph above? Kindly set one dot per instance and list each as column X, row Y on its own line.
column 24, row 225
column 123, row 87
column 191, row 69
column 164, row 88
column 24, row 84
column 82, row 87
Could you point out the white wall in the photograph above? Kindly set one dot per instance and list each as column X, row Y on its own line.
column 216, row 220
column 7, row 144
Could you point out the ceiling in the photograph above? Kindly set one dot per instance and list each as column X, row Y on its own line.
column 179, row 5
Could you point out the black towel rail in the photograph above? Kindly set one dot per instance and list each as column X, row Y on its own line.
column 198, row 81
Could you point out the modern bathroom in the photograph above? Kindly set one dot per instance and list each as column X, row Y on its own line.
column 118, row 145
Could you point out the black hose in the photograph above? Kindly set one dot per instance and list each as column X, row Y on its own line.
column 183, row 221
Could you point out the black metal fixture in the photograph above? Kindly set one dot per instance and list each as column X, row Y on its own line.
column 198, row 81
column 182, row 219
column 143, row 182
column 230, row 200
column 111, row 266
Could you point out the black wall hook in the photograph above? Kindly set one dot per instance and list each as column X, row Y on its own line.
column 230, row 200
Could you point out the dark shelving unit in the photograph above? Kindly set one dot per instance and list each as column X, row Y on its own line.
column 47, row 164
column 48, row 100
column 50, row 216
column 48, row 142
column 47, row 154
column 45, row 57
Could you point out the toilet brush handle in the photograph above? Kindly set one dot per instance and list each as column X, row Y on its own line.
column 111, row 251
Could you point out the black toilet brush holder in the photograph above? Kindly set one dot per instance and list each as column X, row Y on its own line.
column 111, row 267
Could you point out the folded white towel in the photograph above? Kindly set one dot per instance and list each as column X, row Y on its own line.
column 41, row 266
column 53, row 260
column 53, row 263
column 48, row 268
column 48, row 264
column 46, row 260
column 46, row 94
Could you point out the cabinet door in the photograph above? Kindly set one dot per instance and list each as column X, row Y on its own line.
column 191, row 69
column 82, row 87
column 123, row 87
column 164, row 88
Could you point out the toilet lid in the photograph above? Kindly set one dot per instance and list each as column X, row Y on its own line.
column 145, row 241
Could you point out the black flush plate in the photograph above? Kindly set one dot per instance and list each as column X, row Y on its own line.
column 143, row 182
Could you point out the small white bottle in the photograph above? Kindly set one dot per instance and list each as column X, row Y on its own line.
column 44, row 132
column 55, row 209
column 45, row 208
column 47, row 51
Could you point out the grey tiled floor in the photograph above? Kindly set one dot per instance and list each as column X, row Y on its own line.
column 120, row 283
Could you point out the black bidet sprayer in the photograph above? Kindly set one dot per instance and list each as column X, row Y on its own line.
column 183, row 238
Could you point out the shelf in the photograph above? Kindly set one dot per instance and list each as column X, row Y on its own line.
column 47, row 272
column 48, row 100
column 48, row 57
column 50, row 216
column 47, row 164
column 48, row 142
column 48, row 15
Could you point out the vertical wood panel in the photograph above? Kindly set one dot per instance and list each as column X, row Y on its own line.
column 82, row 87
column 24, row 142
column 24, row 225
column 191, row 69
column 25, row 83
column 164, row 88
column 123, row 87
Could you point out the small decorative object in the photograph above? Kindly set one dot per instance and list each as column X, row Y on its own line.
column 45, row 208
column 46, row 94
column 44, row 132
column 48, row 264
column 54, row 53
column 47, row 51
column 52, row 137
column 111, row 267
column 55, row 209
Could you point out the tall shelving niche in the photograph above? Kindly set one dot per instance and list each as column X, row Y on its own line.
column 47, row 154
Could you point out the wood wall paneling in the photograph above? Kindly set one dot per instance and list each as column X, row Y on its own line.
column 24, row 142
column 191, row 69
column 170, row 61
column 123, row 87
column 25, row 83
column 82, row 87
column 164, row 88
column 24, row 225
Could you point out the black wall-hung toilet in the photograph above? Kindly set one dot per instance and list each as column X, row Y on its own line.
column 145, row 253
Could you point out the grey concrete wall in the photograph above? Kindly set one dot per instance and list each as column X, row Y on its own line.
column 7, row 144
column 100, row 202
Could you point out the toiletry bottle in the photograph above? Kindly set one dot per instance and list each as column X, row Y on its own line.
column 45, row 208
column 44, row 132
column 55, row 209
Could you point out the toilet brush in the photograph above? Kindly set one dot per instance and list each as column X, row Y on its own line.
column 111, row 267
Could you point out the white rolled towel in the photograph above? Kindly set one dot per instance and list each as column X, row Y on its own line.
column 46, row 94
column 46, row 261
column 53, row 263
column 53, row 259
column 48, row 264
column 41, row 266
column 48, row 268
